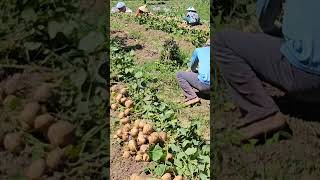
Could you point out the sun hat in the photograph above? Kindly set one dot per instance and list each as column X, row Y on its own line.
column 191, row 9
column 143, row 8
column 120, row 5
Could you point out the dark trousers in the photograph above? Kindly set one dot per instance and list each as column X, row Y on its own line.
column 188, row 81
column 247, row 59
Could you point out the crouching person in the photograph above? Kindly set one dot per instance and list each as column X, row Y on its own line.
column 198, row 79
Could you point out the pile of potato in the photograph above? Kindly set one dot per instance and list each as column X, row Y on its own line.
column 166, row 176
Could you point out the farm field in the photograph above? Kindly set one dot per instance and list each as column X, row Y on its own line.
column 290, row 154
column 146, row 54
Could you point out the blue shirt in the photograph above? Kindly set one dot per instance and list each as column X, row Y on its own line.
column 201, row 59
column 300, row 29
column 192, row 17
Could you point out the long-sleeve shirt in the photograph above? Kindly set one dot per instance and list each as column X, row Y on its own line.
column 192, row 18
column 201, row 59
column 300, row 30
column 114, row 10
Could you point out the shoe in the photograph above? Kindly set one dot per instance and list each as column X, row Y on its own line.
column 268, row 125
column 192, row 101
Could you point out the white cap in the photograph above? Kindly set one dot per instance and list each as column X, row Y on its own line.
column 120, row 5
column 191, row 9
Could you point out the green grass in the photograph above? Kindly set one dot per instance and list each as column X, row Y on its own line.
column 178, row 6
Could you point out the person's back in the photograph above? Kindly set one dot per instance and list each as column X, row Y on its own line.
column 202, row 55
column 192, row 17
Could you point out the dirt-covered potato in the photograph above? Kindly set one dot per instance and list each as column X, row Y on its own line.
column 29, row 113
column 36, row 169
column 118, row 98
column 127, row 112
column 55, row 158
column 153, row 138
column 144, row 148
column 145, row 157
column 166, row 176
column 125, row 120
column 124, row 91
column 169, row 157
column 123, row 100
column 125, row 136
column 61, row 133
column 163, row 136
column 13, row 84
column 13, row 142
column 133, row 145
column 119, row 133
column 121, row 115
column 126, row 154
column 138, row 157
column 147, row 129
column 178, row 178
column 142, row 123
column 114, row 106
column 134, row 132
column 135, row 176
column 141, row 139
column 43, row 93
column 43, row 122
column 128, row 103
column 136, row 123
column 126, row 128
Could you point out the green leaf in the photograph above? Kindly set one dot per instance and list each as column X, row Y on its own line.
column 178, row 163
column 79, row 77
column 174, row 147
column 203, row 176
column 160, row 169
column 29, row 14
column 156, row 153
column 138, row 75
column 32, row 45
column 91, row 41
column 53, row 28
column 191, row 151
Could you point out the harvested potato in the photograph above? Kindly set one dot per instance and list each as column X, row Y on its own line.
column 132, row 145
column 118, row 98
column 13, row 142
column 169, row 157
column 43, row 122
column 121, row 115
column 125, row 136
column 36, row 169
column 144, row 148
column 138, row 157
column 178, row 178
column 166, row 176
column 147, row 129
column 126, row 128
column 113, row 88
column 128, row 103
column 134, row 132
column 141, row 139
column 124, row 91
column 42, row 93
column 142, row 123
column 145, row 157
column 115, row 136
column 135, row 176
column 163, row 136
column 123, row 100
column 127, row 112
column 126, row 154
column 13, row 84
column 153, row 138
column 61, row 133
column 114, row 106
column 119, row 133
column 55, row 158
column 136, row 123
column 125, row 120
column 126, row 148
column 29, row 113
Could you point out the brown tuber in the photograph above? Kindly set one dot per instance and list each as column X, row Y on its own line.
column 126, row 128
column 136, row 123
column 178, row 178
column 114, row 107
column 36, row 169
column 141, row 124
column 13, row 142
column 118, row 98
column 141, row 139
column 127, row 112
column 153, row 138
column 169, row 157
column 147, row 129
column 123, row 100
column 121, row 115
column 144, row 148
column 42, row 93
column 125, row 136
column 119, row 133
column 125, row 120
column 43, row 122
column 124, row 91
column 166, row 176
column 138, row 157
column 126, row 154
column 163, row 136
column 134, row 132
column 61, row 133
column 132, row 145
column 146, row 157
column 55, row 158
column 135, row 176
column 29, row 113
column 128, row 103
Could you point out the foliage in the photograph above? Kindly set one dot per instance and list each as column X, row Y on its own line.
column 171, row 52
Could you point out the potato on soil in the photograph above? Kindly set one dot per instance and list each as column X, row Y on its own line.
column 36, row 169
column 13, row 142
column 13, row 84
column 114, row 106
column 132, row 145
column 142, row 123
column 138, row 157
column 42, row 93
column 135, row 176
column 118, row 98
column 121, row 115
column 134, row 132
column 125, row 120
column 178, row 178
column 127, row 112
column 128, row 103
column 123, row 100
column 125, row 136
column 169, row 157
column 147, row 129
column 145, row 157
column 126, row 128
column 124, row 91
column 144, row 148
column 163, row 136
column 153, row 138
column 43, row 122
column 166, row 176
column 141, row 139
column 126, row 148
column 55, row 158
column 126, row 154
column 119, row 133
column 136, row 123
column 61, row 133
column 29, row 113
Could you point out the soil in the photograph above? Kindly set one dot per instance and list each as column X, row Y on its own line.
column 294, row 155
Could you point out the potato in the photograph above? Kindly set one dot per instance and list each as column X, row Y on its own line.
column 141, row 124
column 134, row 132
column 126, row 128
column 128, row 103
column 113, row 88
column 166, row 176
column 135, row 176
column 43, row 122
column 125, row 136
column 178, row 178
column 127, row 112
column 123, row 100
column 29, row 113
column 147, row 129
column 13, row 84
column 126, row 154
column 61, row 133
column 115, row 136
column 144, row 148
column 114, row 106
column 36, row 169
column 13, row 142
column 118, row 98
column 132, row 145
column 121, row 115
column 125, row 120
column 153, row 138
column 119, row 133
column 141, row 139
column 55, row 158
column 169, row 157
column 126, row 148
column 42, row 93
column 136, row 123
column 145, row 157
column 163, row 136
column 138, row 157
column 124, row 91
column 133, row 152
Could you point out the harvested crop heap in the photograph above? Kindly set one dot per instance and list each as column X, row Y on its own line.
column 25, row 100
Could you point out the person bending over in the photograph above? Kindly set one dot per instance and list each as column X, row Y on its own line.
column 121, row 7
